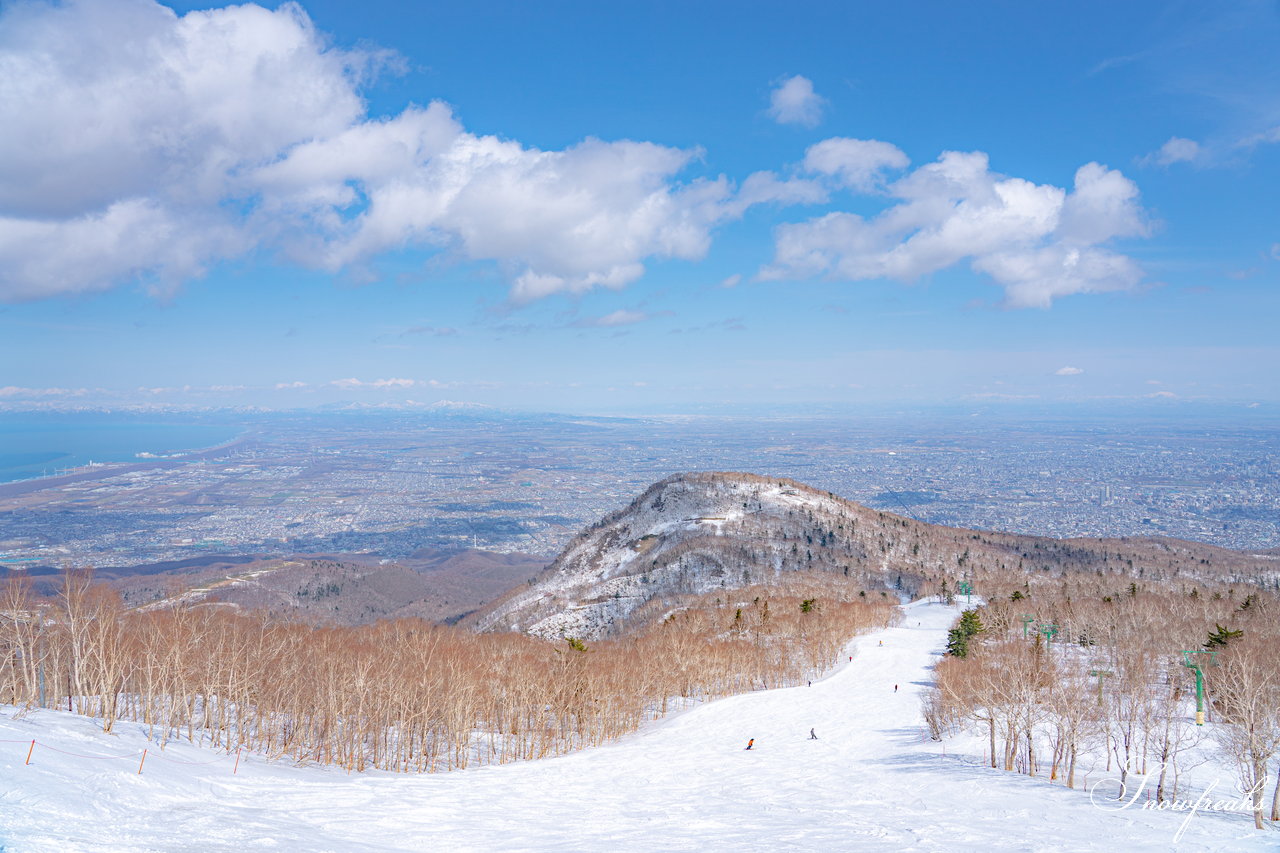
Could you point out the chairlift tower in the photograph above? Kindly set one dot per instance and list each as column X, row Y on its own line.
column 1190, row 663
column 1100, row 674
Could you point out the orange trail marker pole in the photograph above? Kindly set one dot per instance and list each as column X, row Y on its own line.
column 237, row 767
column 142, row 762
column 31, row 750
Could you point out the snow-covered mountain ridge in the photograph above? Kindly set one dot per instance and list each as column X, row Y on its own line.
column 695, row 533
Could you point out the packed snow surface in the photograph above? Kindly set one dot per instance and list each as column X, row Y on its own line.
column 871, row 781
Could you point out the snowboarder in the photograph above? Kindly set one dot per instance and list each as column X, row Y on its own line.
column 749, row 742
column 812, row 736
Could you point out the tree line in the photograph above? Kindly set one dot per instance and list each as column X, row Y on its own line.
column 1055, row 669
column 408, row 695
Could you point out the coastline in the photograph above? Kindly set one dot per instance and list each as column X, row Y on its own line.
column 102, row 470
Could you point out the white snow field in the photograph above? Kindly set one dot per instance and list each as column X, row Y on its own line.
column 869, row 782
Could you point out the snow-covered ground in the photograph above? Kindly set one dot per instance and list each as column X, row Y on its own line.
column 871, row 781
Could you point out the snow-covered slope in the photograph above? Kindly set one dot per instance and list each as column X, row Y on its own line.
column 871, row 781
column 699, row 532
column 695, row 533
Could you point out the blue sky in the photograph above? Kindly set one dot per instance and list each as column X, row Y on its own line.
column 584, row 206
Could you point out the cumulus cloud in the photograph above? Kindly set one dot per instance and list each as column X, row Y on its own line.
column 1176, row 150
column 1068, row 371
column 766, row 188
column 1039, row 242
column 858, row 164
column 141, row 145
column 793, row 101
column 566, row 220
column 127, row 127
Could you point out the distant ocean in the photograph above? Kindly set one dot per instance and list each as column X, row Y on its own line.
column 33, row 447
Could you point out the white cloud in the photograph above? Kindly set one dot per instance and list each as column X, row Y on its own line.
column 352, row 384
column 127, row 240
column 621, row 317
column 1102, row 205
column 568, row 220
column 159, row 390
column 1267, row 136
column 282, row 386
column 434, row 331
column 1176, row 150
column 1038, row 241
column 767, row 188
column 793, row 101
column 858, row 164
column 143, row 145
column 1161, row 395
column 126, row 126
column 1068, row 371
column 1275, row 251
column 731, row 281
column 163, row 390
column 19, row 392
column 1034, row 279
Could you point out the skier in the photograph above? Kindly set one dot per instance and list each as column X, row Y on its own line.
column 812, row 736
column 881, row 643
column 749, row 742
column 895, row 688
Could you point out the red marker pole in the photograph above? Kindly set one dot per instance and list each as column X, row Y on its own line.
column 237, row 767
column 31, row 750
column 142, row 762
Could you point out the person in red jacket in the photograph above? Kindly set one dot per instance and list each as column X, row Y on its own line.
column 749, row 742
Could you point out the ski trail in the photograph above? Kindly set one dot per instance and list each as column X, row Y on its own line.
column 871, row 781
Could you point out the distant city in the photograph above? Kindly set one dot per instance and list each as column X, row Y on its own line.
column 389, row 485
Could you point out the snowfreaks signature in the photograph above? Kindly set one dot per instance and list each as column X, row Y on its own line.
column 1203, row 803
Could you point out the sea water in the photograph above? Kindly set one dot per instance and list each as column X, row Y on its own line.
column 45, row 445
